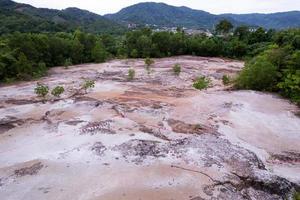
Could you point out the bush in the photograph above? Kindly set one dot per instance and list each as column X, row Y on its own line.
column 88, row 84
column 67, row 63
column 297, row 196
column 131, row 74
column 57, row 91
column 202, row 83
column 177, row 69
column 149, row 62
column 226, row 80
column 290, row 86
column 258, row 74
column 41, row 90
column 41, row 70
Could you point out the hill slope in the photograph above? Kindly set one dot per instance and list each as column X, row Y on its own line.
column 280, row 20
column 26, row 18
column 165, row 15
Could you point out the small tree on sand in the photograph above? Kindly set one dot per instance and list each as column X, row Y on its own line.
column 131, row 74
column 88, row 84
column 149, row 62
column 57, row 91
column 41, row 90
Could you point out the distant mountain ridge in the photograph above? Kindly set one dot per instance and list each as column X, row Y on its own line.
column 280, row 20
column 162, row 14
column 26, row 18
column 165, row 15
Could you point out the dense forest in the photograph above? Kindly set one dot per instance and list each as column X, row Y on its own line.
column 272, row 58
column 28, row 19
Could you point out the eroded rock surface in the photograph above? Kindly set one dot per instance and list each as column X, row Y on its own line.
column 151, row 138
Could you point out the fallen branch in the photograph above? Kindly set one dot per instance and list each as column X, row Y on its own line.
column 191, row 170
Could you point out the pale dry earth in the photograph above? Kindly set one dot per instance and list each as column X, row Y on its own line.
column 155, row 137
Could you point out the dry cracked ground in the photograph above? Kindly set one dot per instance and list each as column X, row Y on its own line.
column 151, row 138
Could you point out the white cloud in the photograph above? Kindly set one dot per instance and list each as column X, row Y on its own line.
column 213, row 6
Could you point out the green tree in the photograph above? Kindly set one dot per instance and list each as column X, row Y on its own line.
column 242, row 32
column 88, row 84
column 24, row 67
column 177, row 69
column 258, row 74
column 57, row 91
column 148, row 61
column 131, row 74
column 224, row 27
column 99, row 53
column 41, row 90
column 40, row 70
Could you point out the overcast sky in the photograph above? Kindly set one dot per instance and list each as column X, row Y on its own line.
column 213, row 6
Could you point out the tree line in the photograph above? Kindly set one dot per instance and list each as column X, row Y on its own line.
column 272, row 58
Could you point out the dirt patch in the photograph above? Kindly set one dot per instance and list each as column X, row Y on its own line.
column 182, row 127
column 22, row 101
column 153, row 132
column 31, row 170
column 98, row 148
column 84, row 98
column 286, row 157
column 74, row 123
column 158, row 90
column 9, row 122
column 6, row 127
column 94, row 127
column 112, row 75
column 141, row 149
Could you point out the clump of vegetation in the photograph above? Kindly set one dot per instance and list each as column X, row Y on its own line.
column 258, row 74
column 99, row 53
column 57, row 91
column 41, row 70
column 297, row 196
column 149, row 62
column 177, row 69
column 88, row 84
column 131, row 74
column 202, row 83
column 226, row 79
column 67, row 63
column 41, row 90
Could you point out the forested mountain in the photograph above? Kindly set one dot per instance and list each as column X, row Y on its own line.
column 165, row 15
column 26, row 18
column 161, row 14
column 280, row 20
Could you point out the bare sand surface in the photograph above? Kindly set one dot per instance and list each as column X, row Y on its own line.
column 155, row 137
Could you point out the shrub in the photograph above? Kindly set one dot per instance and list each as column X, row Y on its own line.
column 226, row 80
column 41, row 90
column 40, row 70
column 297, row 196
column 258, row 74
column 177, row 69
column 57, row 91
column 290, row 86
column 149, row 61
column 202, row 83
column 131, row 74
column 67, row 63
column 88, row 84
